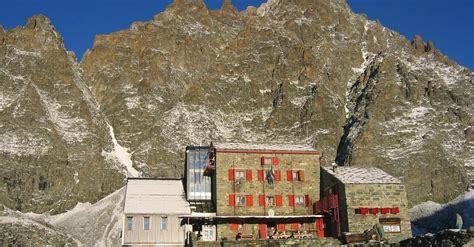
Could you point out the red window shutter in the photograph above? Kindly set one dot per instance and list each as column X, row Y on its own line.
column 261, row 200
column 279, row 200
column 364, row 210
column 385, row 210
column 231, row 174
column 232, row 200
column 301, row 173
column 291, row 200
column 289, row 175
column 262, row 160
column 249, row 200
column 263, row 231
column 234, row 227
column 248, row 175
column 295, row 226
column 394, row 210
column 275, row 161
column 260, row 175
column 277, row 175
column 374, row 211
column 306, row 200
column 281, row 227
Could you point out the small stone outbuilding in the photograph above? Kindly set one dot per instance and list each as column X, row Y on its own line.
column 354, row 199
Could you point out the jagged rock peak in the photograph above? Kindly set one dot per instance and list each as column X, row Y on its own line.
column 228, row 7
column 183, row 3
column 421, row 47
column 39, row 22
column 2, row 34
column 305, row 4
column 430, row 47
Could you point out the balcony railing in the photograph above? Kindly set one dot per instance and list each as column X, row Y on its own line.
column 326, row 203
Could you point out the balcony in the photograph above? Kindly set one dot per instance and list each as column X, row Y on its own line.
column 209, row 168
column 326, row 204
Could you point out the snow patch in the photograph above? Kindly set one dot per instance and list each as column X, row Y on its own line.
column 20, row 52
column 121, row 155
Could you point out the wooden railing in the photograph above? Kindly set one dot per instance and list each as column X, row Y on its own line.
column 326, row 203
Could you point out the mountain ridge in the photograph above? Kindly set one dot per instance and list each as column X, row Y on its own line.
column 282, row 72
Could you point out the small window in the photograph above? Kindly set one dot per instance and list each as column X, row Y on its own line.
column 269, row 176
column 268, row 161
column 164, row 223
column 208, row 233
column 239, row 176
column 240, row 200
column 146, row 223
column 296, row 175
column 270, row 201
column 129, row 223
column 299, row 200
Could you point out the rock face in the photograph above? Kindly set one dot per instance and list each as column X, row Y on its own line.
column 288, row 71
column 52, row 131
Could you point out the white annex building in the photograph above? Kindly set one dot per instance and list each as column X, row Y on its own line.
column 151, row 212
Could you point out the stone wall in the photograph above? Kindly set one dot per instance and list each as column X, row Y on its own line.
column 377, row 196
column 355, row 196
column 309, row 163
column 289, row 242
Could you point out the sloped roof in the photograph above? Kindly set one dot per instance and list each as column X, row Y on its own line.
column 263, row 146
column 358, row 175
column 155, row 196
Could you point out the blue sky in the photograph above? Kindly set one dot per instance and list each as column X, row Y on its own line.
column 449, row 23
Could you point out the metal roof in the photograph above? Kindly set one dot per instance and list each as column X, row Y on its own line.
column 156, row 196
column 263, row 146
column 358, row 175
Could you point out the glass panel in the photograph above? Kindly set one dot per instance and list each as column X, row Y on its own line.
column 270, row 201
column 199, row 186
column 164, row 223
column 240, row 200
column 129, row 222
column 299, row 200
column 146, row 223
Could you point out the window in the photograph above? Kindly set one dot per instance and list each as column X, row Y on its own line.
column 164, row 223
column 295, row 175
column 299, row 201
column 129, row 222
column 239, row 176
column 208, row 233
column 270, row 201
column 240, row 200
column 269, row 161
column 146, row 223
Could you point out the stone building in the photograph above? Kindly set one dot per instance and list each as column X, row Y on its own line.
column 262, row 190
column 354, row 199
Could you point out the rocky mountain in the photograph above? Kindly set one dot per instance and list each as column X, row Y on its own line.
column 56, row 146
column 289, row 71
